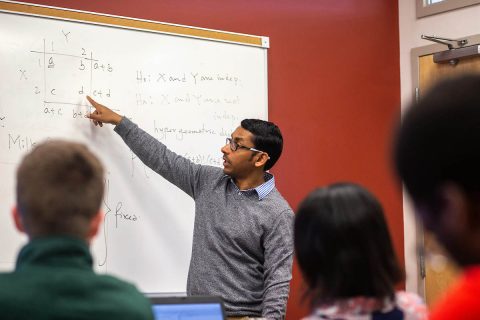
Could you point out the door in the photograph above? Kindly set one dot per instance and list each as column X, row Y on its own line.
column 439, row 271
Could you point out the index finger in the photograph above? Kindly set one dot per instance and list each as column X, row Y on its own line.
column 94, row 103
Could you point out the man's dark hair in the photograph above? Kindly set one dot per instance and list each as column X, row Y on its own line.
column 59, row 189
column 439, row 140
column 266, row 137
column 343, row 246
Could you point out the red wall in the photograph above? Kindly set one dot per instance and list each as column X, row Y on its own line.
column 334, row 87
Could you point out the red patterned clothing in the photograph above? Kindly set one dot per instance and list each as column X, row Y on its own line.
column 462, row 301
column 406, row 306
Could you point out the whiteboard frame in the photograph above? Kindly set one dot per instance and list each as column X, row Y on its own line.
column 132, row 23
column 62, row 14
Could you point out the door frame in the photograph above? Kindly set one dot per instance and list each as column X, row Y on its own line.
column 416, row 237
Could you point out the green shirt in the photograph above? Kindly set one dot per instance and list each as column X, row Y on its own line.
column 54, row 279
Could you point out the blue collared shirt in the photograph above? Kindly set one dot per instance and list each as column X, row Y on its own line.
column 262, row 190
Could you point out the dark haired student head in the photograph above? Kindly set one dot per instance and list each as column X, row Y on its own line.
column 346, row 257
column 59, row 194
column 437, row 156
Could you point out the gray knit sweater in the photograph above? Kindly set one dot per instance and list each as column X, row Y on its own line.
column 242, row 246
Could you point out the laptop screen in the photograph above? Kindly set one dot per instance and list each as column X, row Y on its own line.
column 185, row 308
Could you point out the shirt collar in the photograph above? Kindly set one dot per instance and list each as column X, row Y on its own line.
column 354, row 308
column 64, row 251
column 262, row 190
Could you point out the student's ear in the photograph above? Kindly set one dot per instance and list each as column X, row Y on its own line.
column 454, row 209
column 95, row 225
column 262, row 159
column 17, row 219
column 447, row 210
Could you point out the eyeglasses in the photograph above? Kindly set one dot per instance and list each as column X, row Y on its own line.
column 235, row 146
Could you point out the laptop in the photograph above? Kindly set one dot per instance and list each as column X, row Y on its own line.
column 188, row 308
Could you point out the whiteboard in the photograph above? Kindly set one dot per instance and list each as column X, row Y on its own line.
column 190, row 93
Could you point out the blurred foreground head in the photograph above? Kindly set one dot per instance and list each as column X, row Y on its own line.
column 437, row 155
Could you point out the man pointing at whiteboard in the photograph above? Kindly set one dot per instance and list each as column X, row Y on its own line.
column 242, row 238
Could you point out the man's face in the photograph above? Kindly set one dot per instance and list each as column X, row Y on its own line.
column 241, row 162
